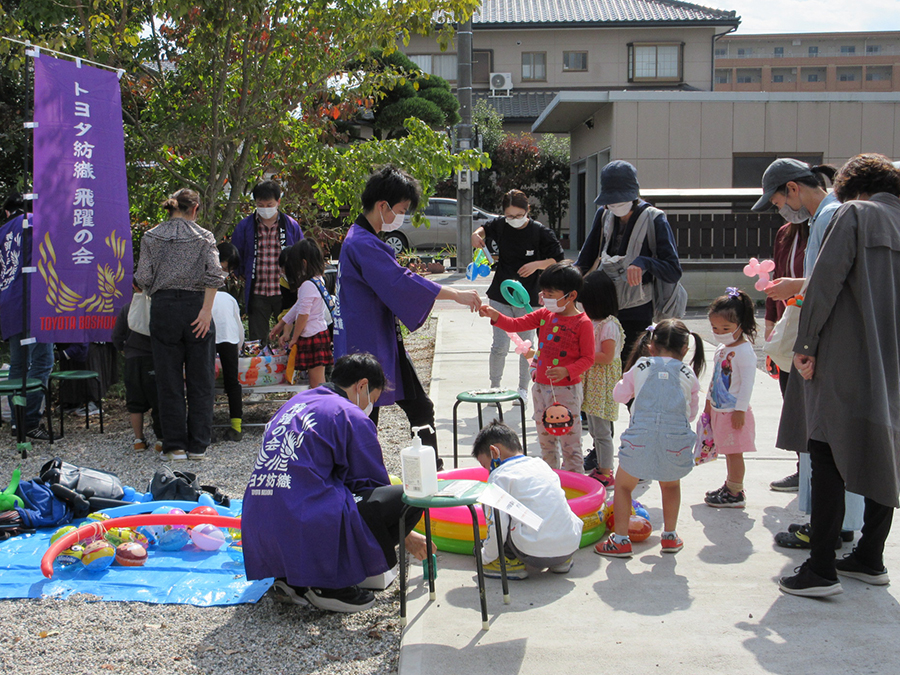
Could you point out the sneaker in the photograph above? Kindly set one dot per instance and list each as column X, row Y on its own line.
column 798, row 536
column 348, row 600
column 611, row 549
column 91, row 409
column 787, row 484
column 523, row 394
column 158, row 446
column 850, row 566
column 515, row 569
column 808, row 584
column 196, row 456
column 139, row 444
column 590, row 461
column 173, row 456
column 233, row 435
column 255, row 398
column 724, row 499
column 292, row 595
column 39, row 433
column 605, row 479
column 716, row 491
column 563, row 567
column 671, row 543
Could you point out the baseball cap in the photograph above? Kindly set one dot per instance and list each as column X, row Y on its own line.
column 777, row 174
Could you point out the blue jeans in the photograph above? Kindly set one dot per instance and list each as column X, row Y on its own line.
column 34, row 361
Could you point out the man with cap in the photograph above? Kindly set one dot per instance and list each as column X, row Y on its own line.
column 798, row 191
column 621, row 244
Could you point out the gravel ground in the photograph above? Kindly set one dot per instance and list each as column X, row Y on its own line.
column 81, row 635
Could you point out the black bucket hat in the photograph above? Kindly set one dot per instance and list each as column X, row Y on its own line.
column 618, row 184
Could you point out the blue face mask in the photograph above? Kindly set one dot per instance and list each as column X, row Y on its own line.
column 495, row 462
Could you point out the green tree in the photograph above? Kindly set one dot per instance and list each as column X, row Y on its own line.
column 552, row 179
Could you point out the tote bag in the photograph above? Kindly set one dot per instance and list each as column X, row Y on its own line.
column 780, row 345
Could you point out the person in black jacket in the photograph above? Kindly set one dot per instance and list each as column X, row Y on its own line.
column 525, row 248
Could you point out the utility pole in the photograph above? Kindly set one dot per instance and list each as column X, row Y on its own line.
column 464, row 196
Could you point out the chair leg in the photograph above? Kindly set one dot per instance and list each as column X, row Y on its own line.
column 479, row 566
column 100, row 405
column 499, row 530
column 431, row 571
column 524, row 444
column 48, row 411
column 62, row 431
column 402, row 561
column 455, row 437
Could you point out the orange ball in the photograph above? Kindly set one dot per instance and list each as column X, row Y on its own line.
column 639, row 528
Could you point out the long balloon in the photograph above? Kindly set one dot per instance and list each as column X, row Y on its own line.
column 71, row 538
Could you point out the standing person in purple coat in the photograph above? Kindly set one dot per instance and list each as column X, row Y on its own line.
column 319, row 513
column 375, row 295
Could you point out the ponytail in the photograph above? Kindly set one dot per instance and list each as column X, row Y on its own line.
column 737, row 307
column 698, row 363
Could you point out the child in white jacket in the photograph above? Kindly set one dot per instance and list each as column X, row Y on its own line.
column 533, row 483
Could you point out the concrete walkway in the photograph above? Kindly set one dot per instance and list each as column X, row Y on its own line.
column 713, row 607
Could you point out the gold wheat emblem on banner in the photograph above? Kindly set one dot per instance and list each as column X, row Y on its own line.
column 63, row 299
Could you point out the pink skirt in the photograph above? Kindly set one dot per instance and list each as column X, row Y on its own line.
column 730, row 441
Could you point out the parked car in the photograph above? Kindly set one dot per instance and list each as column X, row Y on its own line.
column 440, row 231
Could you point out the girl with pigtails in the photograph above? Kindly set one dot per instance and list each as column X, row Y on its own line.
column 659, row 441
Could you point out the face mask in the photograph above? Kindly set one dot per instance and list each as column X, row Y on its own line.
column 793, row 215
column 368, row 409
column 727, row 338
column 552, row 304
column 495, row 462
column 517, row 223
column 621, row 209
column 266, row 212
column 394, row 224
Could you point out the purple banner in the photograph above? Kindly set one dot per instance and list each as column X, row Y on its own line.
column 82, row 229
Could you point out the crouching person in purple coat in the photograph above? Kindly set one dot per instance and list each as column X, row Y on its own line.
column 320, row 514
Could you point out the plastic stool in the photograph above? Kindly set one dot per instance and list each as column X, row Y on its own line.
column 482, row 397
column 14, row 387
column 74, row 375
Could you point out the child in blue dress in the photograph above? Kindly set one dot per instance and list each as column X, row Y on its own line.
column 659, row 442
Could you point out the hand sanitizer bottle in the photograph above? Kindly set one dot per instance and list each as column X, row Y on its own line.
column 419, row 467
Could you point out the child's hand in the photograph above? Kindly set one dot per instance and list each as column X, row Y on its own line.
column 708, row 409
column 276, row 330
column 415, row 545
column 738, row 417
column 489, row 312
column 529, row 355
column 557, row 373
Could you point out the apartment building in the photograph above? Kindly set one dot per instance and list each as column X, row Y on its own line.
column 809, row 62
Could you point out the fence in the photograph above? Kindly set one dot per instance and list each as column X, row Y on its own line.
column 724, row 236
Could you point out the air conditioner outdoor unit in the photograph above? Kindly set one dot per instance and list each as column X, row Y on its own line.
column 501, row 82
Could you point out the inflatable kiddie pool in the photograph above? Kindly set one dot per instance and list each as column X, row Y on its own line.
column 451, row 528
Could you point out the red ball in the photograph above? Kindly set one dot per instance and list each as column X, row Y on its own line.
column 639, row 528
column 131, row 554
column 204, row 511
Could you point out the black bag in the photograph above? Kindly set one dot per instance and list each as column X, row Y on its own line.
column 174, row 485
column 84, row 481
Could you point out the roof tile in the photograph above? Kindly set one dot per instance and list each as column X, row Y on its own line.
column 595, row 11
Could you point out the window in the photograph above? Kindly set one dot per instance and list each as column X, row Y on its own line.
column 481, row 66
column 660, row 62
column 847, row 50
column 812, row 77
column 442, row 65
column 721, row 51
column 723, row 76
column 534, row 66
column 575, row 61
column 778, row 78
column 873, row 49
column 747, row 169
column 446, row 209
column 744, row 51
column 744, row 79
column 847, row 77
column 813, row 52
column 779, row 52
column 878, row 73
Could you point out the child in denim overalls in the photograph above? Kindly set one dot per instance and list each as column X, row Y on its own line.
column 658, row 443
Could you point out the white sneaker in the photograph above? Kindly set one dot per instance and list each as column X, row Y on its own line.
column 563, row 567
column 173, row 456
column 523, row 394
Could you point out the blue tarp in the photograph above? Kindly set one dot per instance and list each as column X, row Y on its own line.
column 189, row 576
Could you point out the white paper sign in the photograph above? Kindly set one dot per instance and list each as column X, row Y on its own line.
column 499, row 498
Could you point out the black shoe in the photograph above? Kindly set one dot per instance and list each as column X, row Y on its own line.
column 787, row 484
column 798, row 536
column 850, row 566
column 808, row 584
column 232, row 434
column 349, row 600
column 39, row 433
column 590, row 461
column 292, row 595
column 723, row 498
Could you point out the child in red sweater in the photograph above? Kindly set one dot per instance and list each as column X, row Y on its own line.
column 564, row 351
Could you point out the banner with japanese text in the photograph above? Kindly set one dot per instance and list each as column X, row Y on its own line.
column 82, row 231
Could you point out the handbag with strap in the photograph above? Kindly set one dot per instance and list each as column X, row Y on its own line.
column 139, row 314
column 780, row 345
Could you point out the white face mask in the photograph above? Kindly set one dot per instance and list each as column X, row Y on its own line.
column 266, row 212
column 552, row 304
column 517, row 223
column 368, row 409
column 620, row 209
column 727, row 338
column 394, row 224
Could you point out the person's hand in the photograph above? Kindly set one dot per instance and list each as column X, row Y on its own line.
column 770, row 326
column 470, row 299
column 738, row 417
column 477, row 242
column 805, row 365
column 557, row 373
column 708, row 409
column 784, row 289
column 200, row 325
column 489, row 312
column 634, row 274
column 528, row 269
column 416, row 545
column 273, row 334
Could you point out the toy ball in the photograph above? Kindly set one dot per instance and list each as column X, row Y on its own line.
column 639, row 509
column 131, row 554
column 606, row 515
column 61, row 531
column 173, row 539
column 235, row 532
column 639, row 528
column 150, row 534
column 98, row 556
column 206, row 499
column 119, row 535
column 71, row 555
column 558, row 420
column 207, row 537
column 98, row 516
column 204, row 511
column 236, row 552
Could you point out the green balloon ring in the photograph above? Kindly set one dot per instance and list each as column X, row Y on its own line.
column 514, row 293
